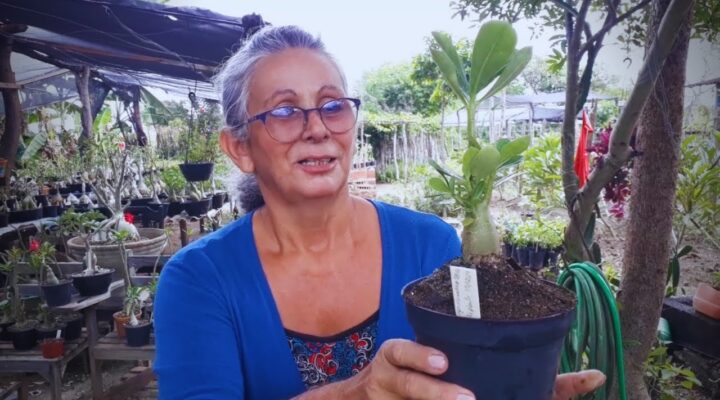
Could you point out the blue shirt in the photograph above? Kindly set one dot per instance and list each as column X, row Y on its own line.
column 218, row 331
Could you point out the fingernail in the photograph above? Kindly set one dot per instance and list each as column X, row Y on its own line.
column 437, row 361
column 465, row 396
column 595, row 378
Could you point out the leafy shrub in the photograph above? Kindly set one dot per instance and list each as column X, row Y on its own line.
column 542, row 169
column 698, row 186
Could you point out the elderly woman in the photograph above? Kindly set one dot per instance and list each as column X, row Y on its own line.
column 304, row 292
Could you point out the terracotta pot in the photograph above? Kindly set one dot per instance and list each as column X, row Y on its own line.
column 52, row 348
column 120, row 320
column 707, row 301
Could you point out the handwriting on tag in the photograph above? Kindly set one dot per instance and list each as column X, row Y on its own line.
column 465, row 291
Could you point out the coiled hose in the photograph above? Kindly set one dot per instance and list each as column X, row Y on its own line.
column 595, row 339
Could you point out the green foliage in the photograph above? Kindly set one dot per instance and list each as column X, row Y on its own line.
column 547, row 233
column 542, row 171
column 698, row 185
column 72, row 223
column 174, row 181
column 664, row 377
column 673, row 274
column 494, row 64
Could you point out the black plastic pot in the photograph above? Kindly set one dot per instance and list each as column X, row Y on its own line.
column 57, row 295
column 691, row 329
column 92, row 285
column 4, row 220
column 507, row 249
column 50, row 211
column 174, row 208
column 141, row 202
column 218, row 199
column 523, row 256
column 137, row 336
column 25, row 215
column 197, row 208
column 536, row 257
column 4, row 333
column 48, row 332
column 196, row 172
column 495, row 359
column 73, row 326
column 23, row 339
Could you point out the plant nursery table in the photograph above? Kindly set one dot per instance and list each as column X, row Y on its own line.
column 31, row 361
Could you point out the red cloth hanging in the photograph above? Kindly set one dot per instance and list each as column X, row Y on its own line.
column 582, row 167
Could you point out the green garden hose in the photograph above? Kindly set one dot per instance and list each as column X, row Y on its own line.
column 595, row 339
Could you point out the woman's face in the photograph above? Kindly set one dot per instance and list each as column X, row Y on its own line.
column 317, row 163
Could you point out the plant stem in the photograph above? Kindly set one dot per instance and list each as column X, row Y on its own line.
column 480, row 237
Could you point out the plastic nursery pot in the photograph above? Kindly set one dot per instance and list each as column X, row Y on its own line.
column 507, row 249
column 495, row 359
column 536, row 257
column 141, row 202
column 174, row 208
column 120, row 320
column 52, row 348
column 197, row 208
column 92, row 285
column 707, row 301
column 50, row 211
column 48, row 332
column 218, row 199
column 138, row 335
column 196, row 172
column 4, row 333
column 23, row 338
column 4, row 219
column 57, row 295
column 41, row 200
column 25, row 215
column 523, row 256
column 73, row 326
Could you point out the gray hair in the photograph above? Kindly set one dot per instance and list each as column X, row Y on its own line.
column 235, row 75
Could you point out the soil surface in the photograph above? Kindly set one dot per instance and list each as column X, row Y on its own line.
column 505, row 293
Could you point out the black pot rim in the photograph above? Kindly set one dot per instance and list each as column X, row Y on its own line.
column 61, row 282
column 485, row 320
column 141, row 324
column 80, row 274
column 14, row 329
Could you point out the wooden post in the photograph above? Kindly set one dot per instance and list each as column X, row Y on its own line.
column 13, row 109
column 183, row 233
column 394, row 149
column 82, row 81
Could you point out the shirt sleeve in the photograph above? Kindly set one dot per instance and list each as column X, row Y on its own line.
column 197, row 351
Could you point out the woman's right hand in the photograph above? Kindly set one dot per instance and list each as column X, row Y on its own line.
column 403, row 369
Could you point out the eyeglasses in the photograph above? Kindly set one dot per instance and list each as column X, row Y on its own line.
column 287, row 123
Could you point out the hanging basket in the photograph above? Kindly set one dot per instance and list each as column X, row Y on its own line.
column 197, row 172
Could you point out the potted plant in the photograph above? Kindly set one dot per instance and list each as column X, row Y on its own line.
column 4, row 209
column 27, row 208
column 73, row 323
column 200, row 153
column 198, row 204
column 55, row 292
column 520, row 331
column 48, row 327
column 7, row 317
column 175, row 185
column 707, row 298
column 137, row 331
column 22, row 331
column 53, row 347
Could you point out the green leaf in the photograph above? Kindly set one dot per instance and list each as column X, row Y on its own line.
column 36, row 144
column 589, row 235
column 493, row 48
column 500, row 143
column 444, row 171
column 467, row 160
column 684, row 251
column 515, row 148
column 439, row 185
column 448, row 71
column 596, row 254
column 445, row 43
column 514, row 67
column 485, row 162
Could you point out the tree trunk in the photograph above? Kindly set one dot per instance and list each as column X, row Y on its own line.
column 136, row 119
column 653, row 182
column 395, row 155
column 406, row 158
column 82, row 81
column 13, row 109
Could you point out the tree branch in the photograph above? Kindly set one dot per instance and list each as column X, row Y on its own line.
column 619, row 151
column 609, row 24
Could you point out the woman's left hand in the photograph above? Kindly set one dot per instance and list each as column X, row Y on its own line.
column 567, row 386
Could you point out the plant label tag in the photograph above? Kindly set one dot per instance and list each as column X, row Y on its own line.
column 465, row 291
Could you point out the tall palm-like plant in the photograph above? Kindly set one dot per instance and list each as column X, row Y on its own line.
column 495, row 63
